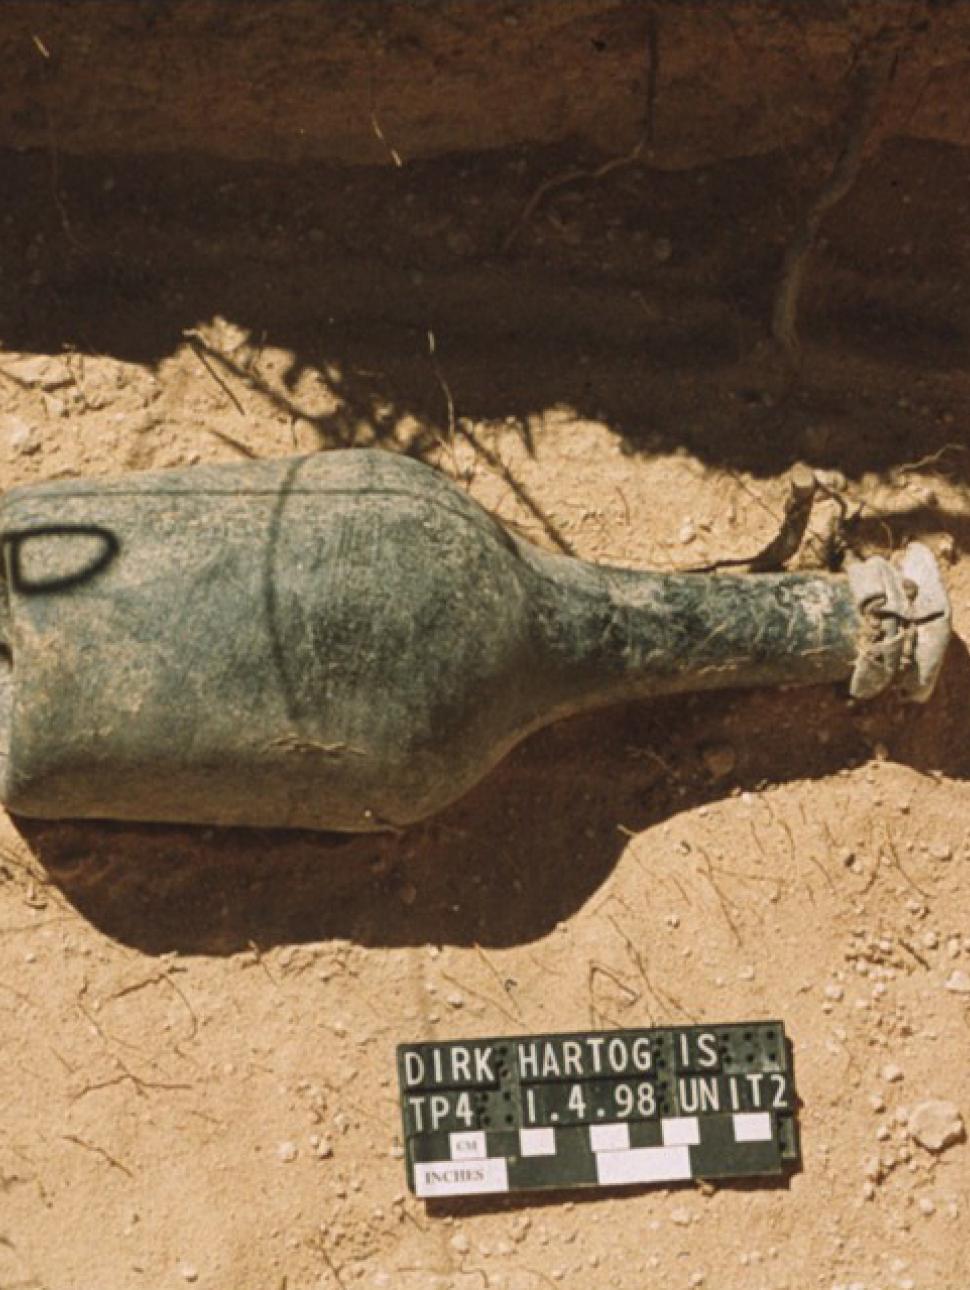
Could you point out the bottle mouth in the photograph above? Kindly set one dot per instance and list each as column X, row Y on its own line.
column 906, row 618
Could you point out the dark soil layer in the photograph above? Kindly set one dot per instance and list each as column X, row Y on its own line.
column 360, row 80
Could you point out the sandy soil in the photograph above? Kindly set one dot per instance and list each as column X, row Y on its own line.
column 198, row 1026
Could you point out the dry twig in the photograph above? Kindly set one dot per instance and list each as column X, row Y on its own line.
column 200, row 347
column 98, row 1151
column 449, row 404
column 484, row 998
column 871, row 80
column 498, row 977
column 910, row 467
column 570, row 177
column 802, row 487
column 707, row 871
column 164, row 978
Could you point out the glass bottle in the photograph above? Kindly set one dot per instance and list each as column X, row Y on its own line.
column 347, row 641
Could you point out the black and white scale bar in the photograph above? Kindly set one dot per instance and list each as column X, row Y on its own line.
column 595, row 1109
column 480, row 1162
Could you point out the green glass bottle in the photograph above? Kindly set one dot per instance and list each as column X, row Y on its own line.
column 347, row 641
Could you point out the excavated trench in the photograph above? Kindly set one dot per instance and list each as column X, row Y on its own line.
column 615, row 206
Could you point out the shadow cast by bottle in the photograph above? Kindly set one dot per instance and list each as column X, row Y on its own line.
column 521, row 853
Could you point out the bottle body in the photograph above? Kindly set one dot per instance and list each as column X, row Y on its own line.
column 342, row 641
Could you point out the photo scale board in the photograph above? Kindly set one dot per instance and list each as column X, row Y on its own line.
column 598, row 1108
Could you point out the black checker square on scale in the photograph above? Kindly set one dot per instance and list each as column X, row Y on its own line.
column 721, row 1155
column 598, row 1108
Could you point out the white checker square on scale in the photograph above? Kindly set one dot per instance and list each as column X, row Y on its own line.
column 537, row 1142
column 609, row 1137
column 681, row 1131
column 643, row 1164
column 752, row 1126
column 467, row 1146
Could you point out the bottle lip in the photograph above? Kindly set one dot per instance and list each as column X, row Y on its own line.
column 932, row 616
column 905, row 624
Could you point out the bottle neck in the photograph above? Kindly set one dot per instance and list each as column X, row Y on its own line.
column 615, row 634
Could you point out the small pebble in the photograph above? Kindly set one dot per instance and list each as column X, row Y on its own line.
column 947, row 549
column 892, row 1073
column 958, row 982
column 42, row 370
column 872, row 1169
column 286, row 1152
column 719, row 760
column 22, row 439
column 520, row 1227
column 187, row 1272
column 926, row 1206
column 936, row 1125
